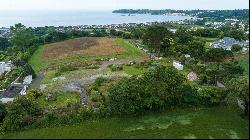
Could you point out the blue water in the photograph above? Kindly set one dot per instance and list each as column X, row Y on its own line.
column 72, row 18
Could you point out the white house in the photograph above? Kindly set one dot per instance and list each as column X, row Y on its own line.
column 178, row 65
column 6, row 100
column 2, row 67
column 5, row 67
column 27, row 80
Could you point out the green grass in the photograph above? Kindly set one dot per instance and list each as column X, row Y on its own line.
column 36, row 61
column 131, row 70
column 189, row 123
column 132, row 51
column 62, row 100
column 208, row 41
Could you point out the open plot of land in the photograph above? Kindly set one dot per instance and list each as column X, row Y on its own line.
column 89, row 46
column 71, row 52
column 191, row 123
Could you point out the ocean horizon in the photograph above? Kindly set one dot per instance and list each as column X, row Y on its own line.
column 41, row 18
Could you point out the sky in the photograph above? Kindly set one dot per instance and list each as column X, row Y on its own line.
column 100, row 5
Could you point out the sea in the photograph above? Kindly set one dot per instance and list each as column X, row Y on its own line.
column 73, row 18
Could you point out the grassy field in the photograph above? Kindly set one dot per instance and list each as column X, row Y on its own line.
column 45, row 56
column 189, row 123
column 36, row 61
column 208, row 41
column 131, row 70
column 61, row 100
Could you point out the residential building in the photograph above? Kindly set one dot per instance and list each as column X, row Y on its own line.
column 227, row 42
column 178, row 65
column 5, row 67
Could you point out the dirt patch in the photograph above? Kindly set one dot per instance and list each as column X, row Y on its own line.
column 89, row 46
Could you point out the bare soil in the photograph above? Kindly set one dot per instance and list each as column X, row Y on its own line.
column 89, row 46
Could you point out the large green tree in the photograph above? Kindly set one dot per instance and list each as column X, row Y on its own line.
column 197, row 49
column 157, row 89
column 4, row 43
column 21, row 37
column 156, row 36
column 239, row 89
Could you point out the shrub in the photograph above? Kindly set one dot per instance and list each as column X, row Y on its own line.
column 236, row 48
column 211, row 96
column 190, row 95
column 21, row 113
column 33, row 94
column 95, row 96
column 116, row 68
column 64, row 69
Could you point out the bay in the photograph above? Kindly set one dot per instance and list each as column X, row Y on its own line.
column 74, row 18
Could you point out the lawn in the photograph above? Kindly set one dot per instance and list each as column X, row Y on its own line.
column 131, row 70
column 36, row 61
column 208, row 41
column 61, row 100
column 188, row 123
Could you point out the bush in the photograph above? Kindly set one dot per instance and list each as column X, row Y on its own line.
column 211, row 96
column 21, row 113
column 236, row 48
column 99, row 81
column 116, row 67
column 63, row 69
column 95, row 96
column 190, row 95
column 33, row 94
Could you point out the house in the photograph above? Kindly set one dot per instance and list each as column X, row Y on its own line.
column 227, row 42
column 192, row 76
column 178, row 65
column 173, row 30
column 15, row 89
column 5, row 67
column 187, row 56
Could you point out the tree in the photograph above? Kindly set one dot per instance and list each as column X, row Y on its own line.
column 239, row 89
column 183, row 36
column 3, row 112
column 236, row 34
column 4, row 43
column 156, row 36
column 157, row 89
column 230, row 70
column 21, row 37
column 197, row 49
column 217, row 55
column 236, row 48
column 21, row 113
